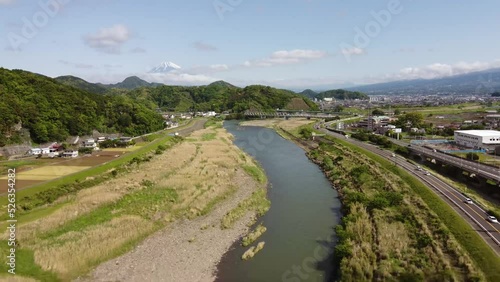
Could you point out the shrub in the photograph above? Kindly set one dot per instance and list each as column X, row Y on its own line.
column 85, row 151
column 472, row 156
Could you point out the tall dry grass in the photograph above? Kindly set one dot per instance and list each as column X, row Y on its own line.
column 75, row 252
column 201, row 173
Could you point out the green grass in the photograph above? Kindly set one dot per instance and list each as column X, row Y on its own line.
column 210, row 206
column 145, row 203
column 484, row 257
column 257, row 202
column 5, row 166
column 208, row 136
column 213, row 122
column 483, row 158
column 35, row 214
column 448, row 109
column 253, row 236
column 25, row 265
column 256, row 173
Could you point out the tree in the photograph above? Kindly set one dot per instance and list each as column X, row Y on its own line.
column 410, row 119
column 378, row 112
column 306, row 133
column 338, row 108
column 397, row 112
column 472, row 156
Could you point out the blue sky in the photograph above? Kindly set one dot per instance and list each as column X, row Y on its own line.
column 284, row 43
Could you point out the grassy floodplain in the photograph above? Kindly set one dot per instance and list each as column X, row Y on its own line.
column 395, row 227
column 155, row 186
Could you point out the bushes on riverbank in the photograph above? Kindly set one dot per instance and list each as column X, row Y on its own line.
column 388, row 232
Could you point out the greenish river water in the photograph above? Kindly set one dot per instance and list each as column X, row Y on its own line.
column 300, row 224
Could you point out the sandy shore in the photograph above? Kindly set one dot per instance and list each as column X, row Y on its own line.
column 184, row 251
column 278, row 122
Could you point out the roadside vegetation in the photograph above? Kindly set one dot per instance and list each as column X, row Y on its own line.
column 70, row 229
column 396, row 228
column 389, row 231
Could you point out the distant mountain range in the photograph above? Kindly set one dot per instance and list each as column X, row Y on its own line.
column 129, row 83
column 482, row 82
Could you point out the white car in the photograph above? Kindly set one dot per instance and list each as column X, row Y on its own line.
column 468, row 201
column 427, row 173
column 492, row 219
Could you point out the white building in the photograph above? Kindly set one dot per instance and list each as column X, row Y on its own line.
column 478, row 139
column 38, row 151
column 70, row 154
column 34, row 151
column 90, row 143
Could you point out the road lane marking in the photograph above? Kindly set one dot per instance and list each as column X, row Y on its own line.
column 426, row 179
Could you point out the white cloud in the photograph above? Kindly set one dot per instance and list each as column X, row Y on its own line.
column 219, row 67
column 109, row 39
column 198, row 69
column 180, row 78
column 286, row 57
column 438, row 70
column 171, row 78
column 352, row 51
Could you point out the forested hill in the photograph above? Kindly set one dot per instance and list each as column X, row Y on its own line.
column 81, row 84
column 221, row 97
column 218, row 96
column 128, row 83
column 52, row 111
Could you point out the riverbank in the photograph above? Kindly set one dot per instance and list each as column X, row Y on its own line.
column 388, row 232
column 188, row 250
column 173, row 200
column 289, row 124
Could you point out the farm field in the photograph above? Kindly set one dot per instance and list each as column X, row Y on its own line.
column 34, row 171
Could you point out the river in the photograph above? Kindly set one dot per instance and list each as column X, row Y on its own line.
column 300, row 224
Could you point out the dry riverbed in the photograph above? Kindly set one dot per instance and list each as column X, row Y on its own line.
column 171, row 208
column 280, row 123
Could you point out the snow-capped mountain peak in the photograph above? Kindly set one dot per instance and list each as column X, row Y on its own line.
column 165, row 67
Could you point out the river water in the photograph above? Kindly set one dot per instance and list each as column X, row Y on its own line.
column 300, row 224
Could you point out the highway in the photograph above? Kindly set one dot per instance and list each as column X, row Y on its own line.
column 475, row 167
column 472, row 213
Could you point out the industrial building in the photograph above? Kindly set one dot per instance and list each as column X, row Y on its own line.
column 478, row 139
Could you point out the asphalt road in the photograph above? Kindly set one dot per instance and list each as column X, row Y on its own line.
column 480, row 169
column 472, row 213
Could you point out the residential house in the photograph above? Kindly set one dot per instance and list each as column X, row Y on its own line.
column 90, row 143
column 70, row 154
